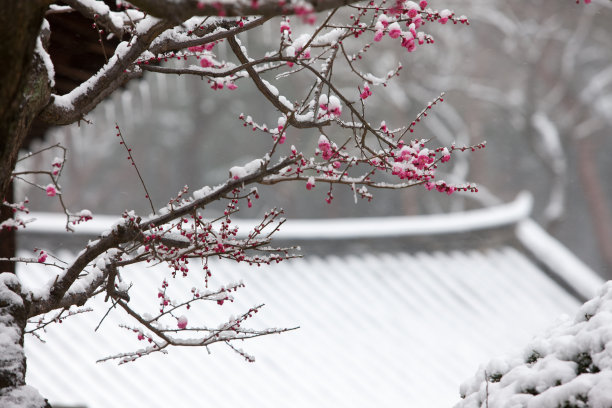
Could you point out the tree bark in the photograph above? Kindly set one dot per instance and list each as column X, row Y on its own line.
column 13, row 318
column 7, row 236
column 23, row 91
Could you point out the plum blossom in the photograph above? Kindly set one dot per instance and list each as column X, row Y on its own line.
column 445, row 155
column 206, row 62
column 182, row 322
column 310, row 183
column 51, row 190
column 323, row 102
column 378, row 35
column 335, row 107
column 445, row 15
column 325, row 147
column 394, row 30
column 56, row 165
column 284, row 26
column 366, row 91
column 42, row 257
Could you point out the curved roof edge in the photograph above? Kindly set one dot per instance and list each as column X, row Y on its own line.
column 342, row 228
column 406, row 226
column 559, row 260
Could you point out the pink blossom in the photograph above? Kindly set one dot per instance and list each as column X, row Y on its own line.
column 42, row 257
column 334, row 107
column 284, row 26
column 445, row 15
column 394, row 30
column 182, row 322
column 205, row 62
column 378, row 35
column 51, row 190
column 310, row 183
column 383, row 20
column 366, row 91
column 324, row 144
column 196, row 48
column 325, row 147
column 423, row 4
column 445, row 155
column 231, row 86
column 422, row 159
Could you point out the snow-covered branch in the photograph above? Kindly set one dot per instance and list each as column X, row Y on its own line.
column 182, row 9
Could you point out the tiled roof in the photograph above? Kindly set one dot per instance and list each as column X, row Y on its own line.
column 394, row 329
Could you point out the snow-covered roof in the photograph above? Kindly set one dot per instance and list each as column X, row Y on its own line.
column 376, row 329
column 342, row 228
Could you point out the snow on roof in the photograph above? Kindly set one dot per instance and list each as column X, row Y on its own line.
column 341, row 228
column 560, row 261
column 375, row 331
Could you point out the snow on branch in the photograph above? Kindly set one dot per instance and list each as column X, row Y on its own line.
column 102, row 15
column 71, row 107
column 108, row 250
column 180, row 10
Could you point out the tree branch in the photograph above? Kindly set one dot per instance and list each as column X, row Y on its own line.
column 180, row 10
column 70, row 108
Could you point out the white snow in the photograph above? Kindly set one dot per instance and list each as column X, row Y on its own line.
column 201, row 193
column 337, row 228
column 20, row 397
column 567, row 364
column 251, row 167
column 330, row 37
column 46, row 60
column 7, row 296
column 380, row 330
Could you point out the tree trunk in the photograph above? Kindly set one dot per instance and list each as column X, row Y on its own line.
column 24, row 91
column 13, row 317
column 7, row 236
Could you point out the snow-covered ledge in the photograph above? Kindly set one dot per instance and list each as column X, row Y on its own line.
column 560, row 260
column 341, row 228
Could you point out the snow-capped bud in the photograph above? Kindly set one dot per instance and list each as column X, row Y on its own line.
column 310, row 183
column 394, row 30
column 51, row 190
column 323, row 101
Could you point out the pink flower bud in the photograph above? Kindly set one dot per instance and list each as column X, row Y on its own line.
column 182, row 322
column 394, row 30
column 51, row 190
column 310, row 184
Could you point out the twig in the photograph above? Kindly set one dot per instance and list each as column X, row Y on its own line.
column 131, row 158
